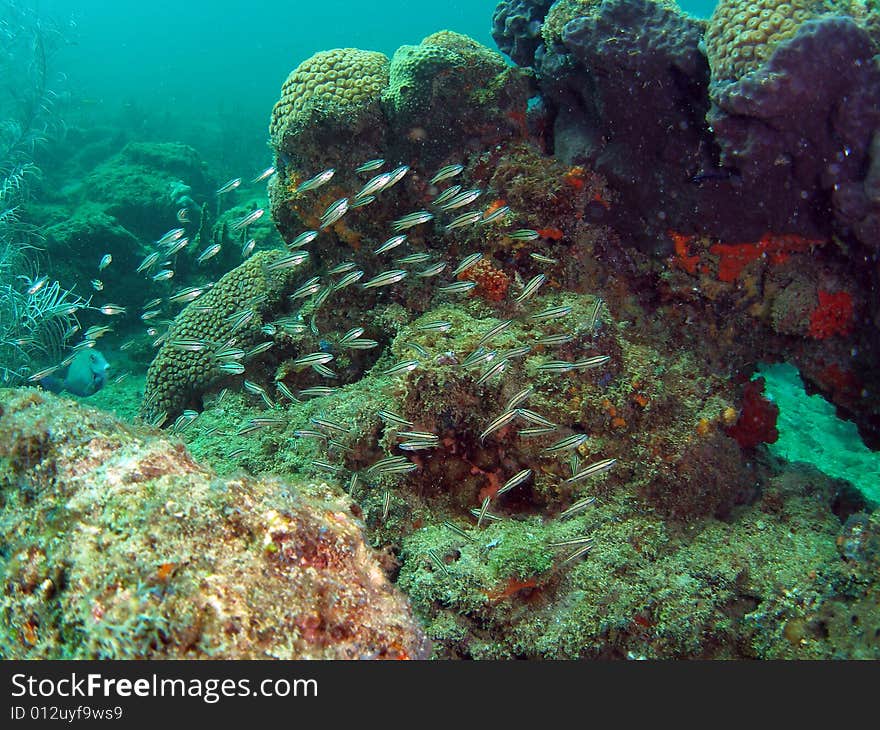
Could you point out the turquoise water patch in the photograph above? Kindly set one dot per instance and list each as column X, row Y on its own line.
column 810, row 431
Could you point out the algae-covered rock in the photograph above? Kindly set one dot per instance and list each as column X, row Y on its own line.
column 118, row 545
column 147, row 183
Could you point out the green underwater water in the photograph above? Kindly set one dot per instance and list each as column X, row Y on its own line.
column 811, row 432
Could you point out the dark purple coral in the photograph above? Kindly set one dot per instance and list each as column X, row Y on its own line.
column 516, row 28
column 628, row 86
column 804, row 126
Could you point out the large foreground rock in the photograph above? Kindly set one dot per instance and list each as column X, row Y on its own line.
column 116, row 544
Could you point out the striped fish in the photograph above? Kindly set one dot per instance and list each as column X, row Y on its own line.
column 465, row 219
column 334, row 212
column 577, row 507
column 495, row 331
column 385, row 278
column 411, row 220
column 402, row 367
column 462, row 199
column 599, row 467
column 434, row 270
column 446, row 172
column 566, row 444
column 551, row 313
column 303, row 239
column 370, row 165
column 466, row 263
column 498, row 423
column 514, row 481
column 447, row 194
column 458, row 287
column 530, row 288
column 313, row 183
column 524, row 234
column 392, row 242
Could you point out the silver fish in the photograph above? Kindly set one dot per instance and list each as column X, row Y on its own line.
column 170, row 236
column 229, row 186
column 391, row 417
column 466, row 263
column 334, row 212
column 247, row 248
column 342, row 268
column 288, row 261
column 150, row 260
column 361, row 344
column 208, row 253
column 268, row 172
column 183, row 215
column 352, row 334
column 414, row 258
column 395, row 176
column 186, row 295
column 551, row 313
column 541, row 259
column 432, row 270
column 520, row 398
column 318, row 390
column 555, row 366
column 370, row 165
column 111, row 309
column 411, row 220
column 599, row 467
column 312, row 358
column 362, row 202
column 447, row 194
column 446, row 172
column 402, row 367
column 374, row 185
column 566, row 444
column 524, row 234
column 176, row 246
column 465, row 219
column 307, row 289
column 322, row 178
column 495, row 214
column 549, row 340
column 385, row 278
column 458, row 287
column 348, row 280
column 514, row 481
column 106, row 259
column 495, row 331
column 577, row 507
column 493, row 370
column 303, row 239
column 244, row 222
column 591, row 362
column 392, row 242
column 439, row 326
column 462, row 199
column 529, row 289
column 97, row 284
column 498, row 423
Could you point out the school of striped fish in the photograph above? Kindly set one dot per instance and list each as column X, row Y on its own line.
column 485, row 364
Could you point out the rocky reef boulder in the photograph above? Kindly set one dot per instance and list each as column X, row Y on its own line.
column 119, row 545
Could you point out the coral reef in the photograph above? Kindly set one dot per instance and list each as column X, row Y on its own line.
column 742, row 35
column 120, row 546
column 232, row 313
column 516, row 28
